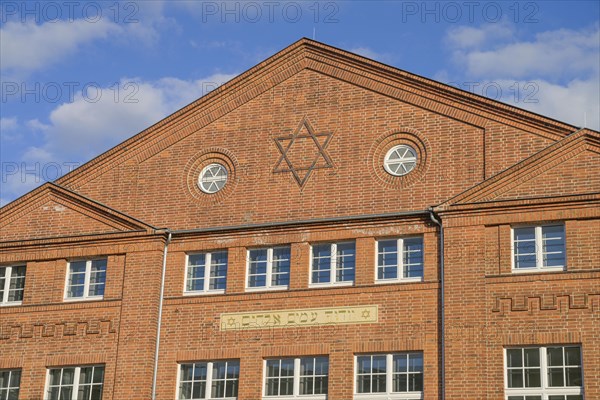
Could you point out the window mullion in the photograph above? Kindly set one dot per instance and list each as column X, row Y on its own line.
column 400, row 256
column 207, row 266
column 539, row 250
column 86, row 282
column 296, row 386
column 269, row 280
column 388, row 373
column 333, row 263
column 209, row 371
column 76, row 383
column 543, row 368
column 7, row 275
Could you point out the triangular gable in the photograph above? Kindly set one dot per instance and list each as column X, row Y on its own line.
column 53, row 211
column 569, row 167
column 307, row 54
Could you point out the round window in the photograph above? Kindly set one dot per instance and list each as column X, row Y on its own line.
column 212, row 178
column 400, row 160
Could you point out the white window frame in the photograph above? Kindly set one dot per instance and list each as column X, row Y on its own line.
column 269, row 273
column 207, row 267
column 209, row 368
column 10, row 372
column 389, row 380
column 334, row 266
column 400, row 266
column 76, row 377
column 539, row 249
column 86, row 286
column 544, row 390
column 296, row 385
column 7, row 278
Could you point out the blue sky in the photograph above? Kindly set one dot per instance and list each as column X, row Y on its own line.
column 78, row 77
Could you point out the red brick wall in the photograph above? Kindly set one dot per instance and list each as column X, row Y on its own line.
column 489, row 308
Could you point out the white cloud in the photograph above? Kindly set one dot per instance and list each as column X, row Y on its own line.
column 577, row 102
column 8, row 124
column 551, row 55
column 82, row 129
column 465, row 37
column 28, row 46
column 561, row 66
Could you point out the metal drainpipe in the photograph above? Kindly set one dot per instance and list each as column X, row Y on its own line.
column 442, row 319
column 160, row 308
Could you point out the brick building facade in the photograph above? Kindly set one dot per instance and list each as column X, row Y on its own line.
column 323, row 226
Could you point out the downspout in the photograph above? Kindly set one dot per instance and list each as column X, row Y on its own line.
column 160, row 309
column 438, row 221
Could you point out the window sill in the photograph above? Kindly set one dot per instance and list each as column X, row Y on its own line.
column 203, row 292
column 11, row 304
column 266, row 289
column 330, row 285
column 537, row 270
column 75, row 299
column 403, row 280
column 392, row 396
column 299, row 397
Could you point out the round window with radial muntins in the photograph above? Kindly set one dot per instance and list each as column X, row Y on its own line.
column 212, row 178
column 400, row 160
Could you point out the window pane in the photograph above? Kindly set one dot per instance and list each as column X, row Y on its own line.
column 379, row 364
column 524, row 247
column 532, row 357
column 413, row 257
column 533, row 378
column 272, row 387
column 286, row 386
column 281, row 267
column 573, row 375
column 555, row 377
column 346, row 260
column 85, row 375
column 514, row 358
column 321, row 263
column 378, row 384
column 555, row 356
column 363, row 384
column 306, row 385
column 363, row 364
column 573, row 356
column 515, row 378
column 415, row 363
column 17, row 284
column 218, row 273
column 257, row 270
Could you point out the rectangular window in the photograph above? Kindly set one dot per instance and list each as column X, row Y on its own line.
column 539, row 248
column 209, row 380
column 12, row 285
column 75, row 383
column 86, row 279
column 399, row 259
column 382, row 375
column 288, row 378
column 269, row 268
column 206, row 272
column 333, row 263
column 544, row 373
column 10, row 381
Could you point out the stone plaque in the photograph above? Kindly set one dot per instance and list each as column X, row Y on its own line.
column 299, row 318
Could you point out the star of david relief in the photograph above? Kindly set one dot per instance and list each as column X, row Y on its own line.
column 303, row 152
